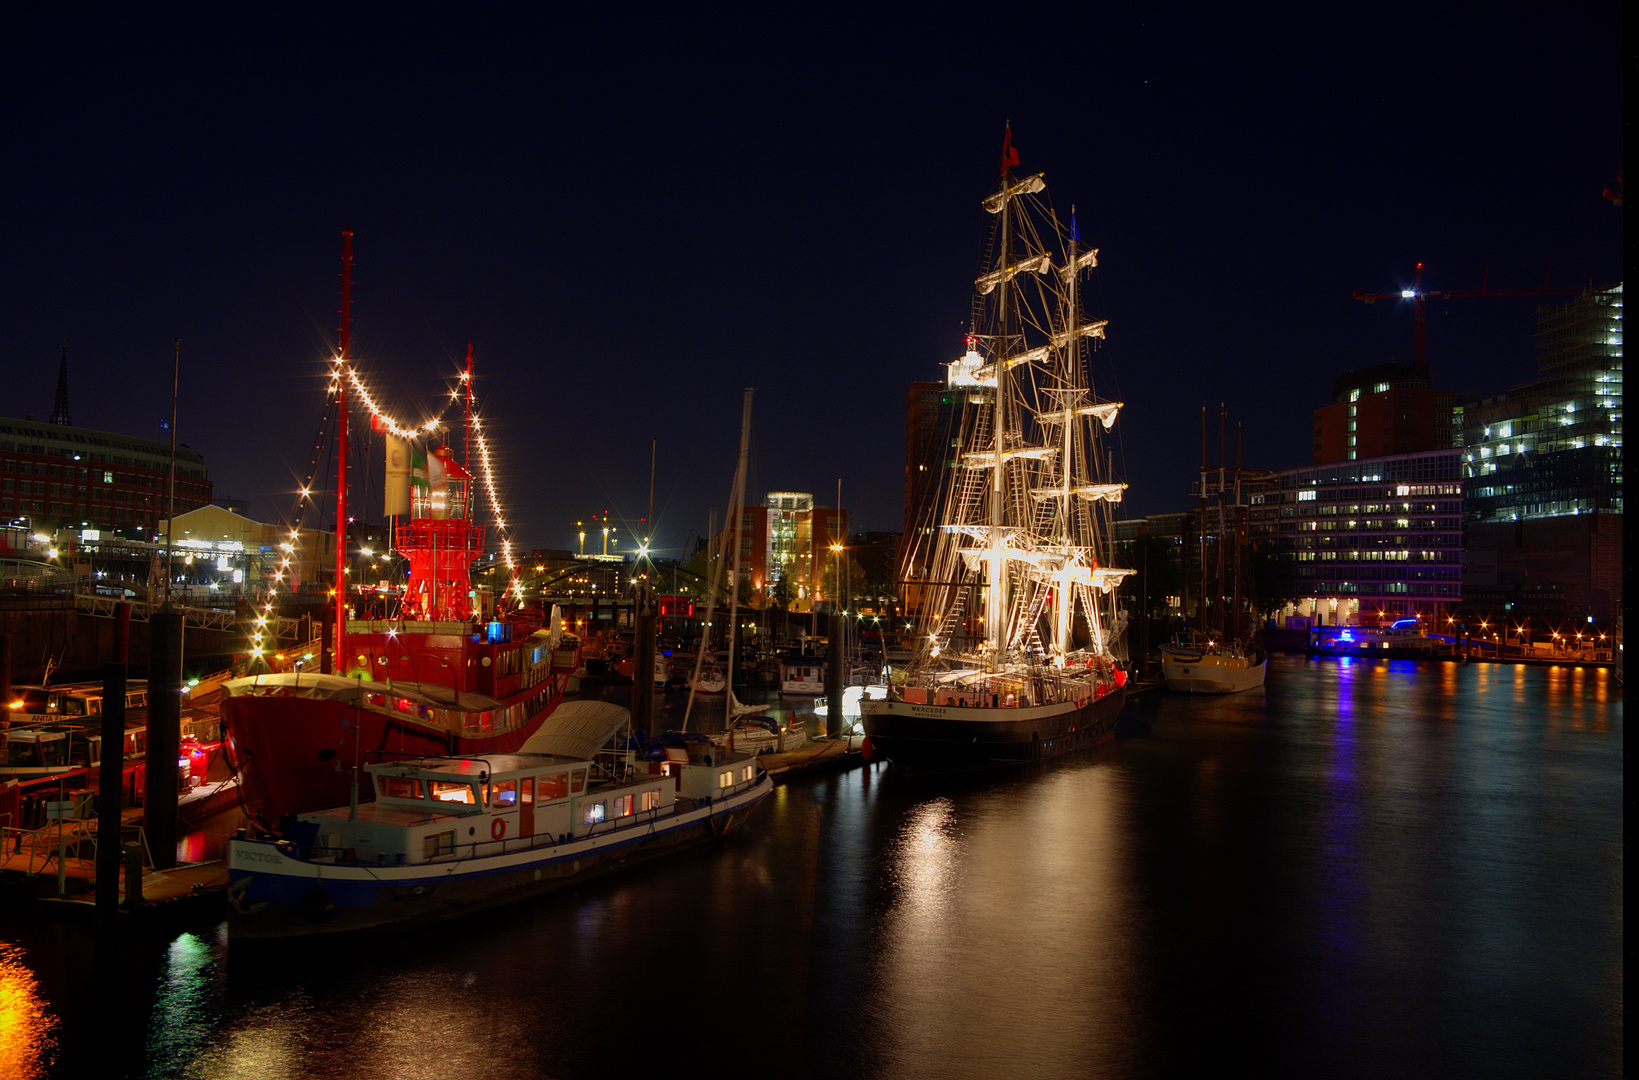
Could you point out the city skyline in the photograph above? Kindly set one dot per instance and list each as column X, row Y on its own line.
column 629, row 233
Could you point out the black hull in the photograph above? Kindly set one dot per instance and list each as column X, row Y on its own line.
column 949, row 739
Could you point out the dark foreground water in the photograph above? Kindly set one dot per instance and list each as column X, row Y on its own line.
column 1367, row 869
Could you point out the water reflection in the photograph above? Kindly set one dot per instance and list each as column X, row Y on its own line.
column 1365, row 869
column 28, row 1027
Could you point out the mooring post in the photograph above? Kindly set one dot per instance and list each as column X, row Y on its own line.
column 643, row 666
column 834, row 651
column 110, row 775
column 164, row 735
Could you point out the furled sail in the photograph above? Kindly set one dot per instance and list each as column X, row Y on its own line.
column 984, row 459
column 1092, row 329
column 1036, row 264
column 1105, row 412
column 1090, row 492
column 1081, row 262
column 986, row 375
column 1028, row 186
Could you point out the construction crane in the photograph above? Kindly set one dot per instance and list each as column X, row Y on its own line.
column 1419, row 300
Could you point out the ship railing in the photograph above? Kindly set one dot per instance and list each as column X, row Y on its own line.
column 103, row 607
column 61, row 845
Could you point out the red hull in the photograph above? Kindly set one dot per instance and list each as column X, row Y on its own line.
column 296, row 755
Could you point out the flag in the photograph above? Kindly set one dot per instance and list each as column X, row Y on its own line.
column 1075, row 233
column 1010, row 153
column 397, row 495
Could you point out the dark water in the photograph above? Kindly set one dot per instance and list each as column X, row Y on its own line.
column 1367, row 869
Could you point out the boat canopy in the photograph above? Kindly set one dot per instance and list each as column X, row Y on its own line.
column 341, row 688
column 577, row 729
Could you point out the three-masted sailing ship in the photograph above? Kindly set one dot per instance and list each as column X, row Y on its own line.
column 1015, row 654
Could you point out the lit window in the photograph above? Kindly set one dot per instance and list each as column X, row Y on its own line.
column 399, row 787
column 592, row 813
column 453, row 791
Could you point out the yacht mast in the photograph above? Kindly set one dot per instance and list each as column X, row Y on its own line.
column 341, row 434
column 733, row 534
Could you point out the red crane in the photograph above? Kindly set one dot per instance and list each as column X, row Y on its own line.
column 1419, row 299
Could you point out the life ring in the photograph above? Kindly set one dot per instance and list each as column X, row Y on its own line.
column 497, row 828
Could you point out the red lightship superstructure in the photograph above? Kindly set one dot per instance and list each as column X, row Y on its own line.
column 448, row 676
column 451, row 672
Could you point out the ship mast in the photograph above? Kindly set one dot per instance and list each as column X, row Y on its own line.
column 1064, row 600
column 996, row 566
column 341, row 429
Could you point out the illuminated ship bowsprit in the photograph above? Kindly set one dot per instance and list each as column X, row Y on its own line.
column 1015, row 654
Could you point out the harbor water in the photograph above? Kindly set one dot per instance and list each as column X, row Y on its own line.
column 1363, row 869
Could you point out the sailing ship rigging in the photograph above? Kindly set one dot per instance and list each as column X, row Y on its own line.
column 1019, row 624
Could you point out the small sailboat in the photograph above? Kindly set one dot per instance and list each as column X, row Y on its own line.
column 1200, row 661
column 707, row 677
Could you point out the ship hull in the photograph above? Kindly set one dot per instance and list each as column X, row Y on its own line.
column 1194, row 671
column 275, row 896
column 1197, row 673
column 954, row 738
column 296, row 755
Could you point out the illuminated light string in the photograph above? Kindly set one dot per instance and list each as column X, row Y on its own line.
column 515, row 586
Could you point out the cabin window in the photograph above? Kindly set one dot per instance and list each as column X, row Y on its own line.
column 399, row 787
column 623, row 806
column 375, row 699
column 453, row 791
column 745, row 773
column 725, row 779
column 555, row 786
column 526, row 792
column 577, row 781
column 592, row 813
column 503, row 793
column 651, row 800
column 434, row 845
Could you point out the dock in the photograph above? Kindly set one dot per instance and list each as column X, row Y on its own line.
column 54, row 870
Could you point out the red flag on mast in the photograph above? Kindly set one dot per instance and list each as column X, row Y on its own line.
column 1010, row 153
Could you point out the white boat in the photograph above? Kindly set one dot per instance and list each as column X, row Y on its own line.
column 1015, row 653
column 802, row 675
column 1199, row 665
column 1401, row 639
column 760, row 735
column 708, row 680
column 448, row 836
column 851, row 697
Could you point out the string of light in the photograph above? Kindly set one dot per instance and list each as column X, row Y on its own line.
column 386, row 422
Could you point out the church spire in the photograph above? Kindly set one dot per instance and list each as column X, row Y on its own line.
column 59, row 411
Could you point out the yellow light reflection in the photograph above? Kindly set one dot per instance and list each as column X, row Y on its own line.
column 27, row 1027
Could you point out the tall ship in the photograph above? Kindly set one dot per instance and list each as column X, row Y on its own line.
column 446, row 669
column 1015, row 654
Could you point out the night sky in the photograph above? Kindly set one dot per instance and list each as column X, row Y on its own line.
column 633, row 218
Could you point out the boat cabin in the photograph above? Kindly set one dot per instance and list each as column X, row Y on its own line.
column 429, row 809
